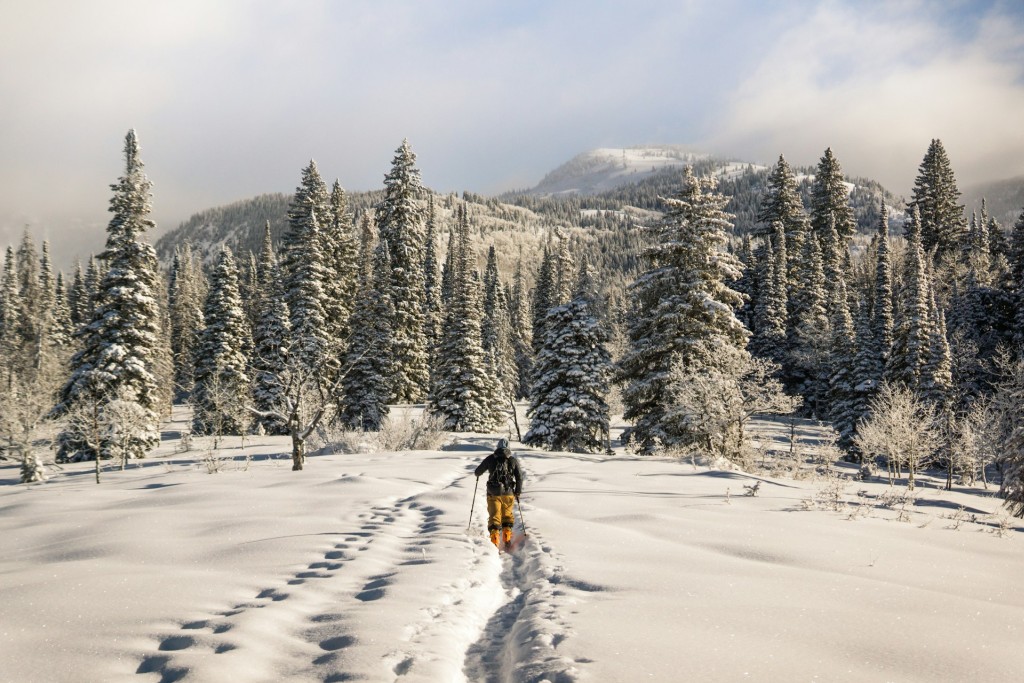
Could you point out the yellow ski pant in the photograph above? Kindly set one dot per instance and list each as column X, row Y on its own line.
column 500, row 512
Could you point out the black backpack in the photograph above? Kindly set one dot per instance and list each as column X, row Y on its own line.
column 502, row 477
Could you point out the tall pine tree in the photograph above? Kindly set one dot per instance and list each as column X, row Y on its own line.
column 935, row 196
column 684, row 314
column 221, row 394
column 568, row 410
column 400, row 221
column 464, row 393
column 118, row 344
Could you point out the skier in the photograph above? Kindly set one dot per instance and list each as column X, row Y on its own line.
column 504, row 485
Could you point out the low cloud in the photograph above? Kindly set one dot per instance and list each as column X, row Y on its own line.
column 878, row 85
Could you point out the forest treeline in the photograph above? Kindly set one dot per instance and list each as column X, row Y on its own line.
column 691, row 300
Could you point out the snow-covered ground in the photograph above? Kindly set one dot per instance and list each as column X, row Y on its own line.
column 361, row 568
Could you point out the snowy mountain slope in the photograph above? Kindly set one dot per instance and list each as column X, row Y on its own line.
column 606, row 168
column 361, row 568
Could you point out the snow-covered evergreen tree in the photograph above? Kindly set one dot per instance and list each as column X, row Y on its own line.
column 937, row 373
column 77, row 302
column 340, row 252
column 118, row 344
column 882, row 322
column 400, row 221
column 543, row 296
column 60, row 334
column 809, row 347
column 830, row 200
column 433, row 314
column 271, row 338
column 496, row 334
column 365, row 388
column 843, row 397
column 781, row 203
column 185, row 301
column 302, row 261
column 912, row 339
column 563, row 270
column 682, row 308
column 935, row 196
column 91, row 289
column 464, row 393
column 568, row 410
column 1009, row 434
column 769, row 338
column 10, row 309
column 747, row 283
column 33, row 316
column 1016, row 267
column 521, row 328
column 221, row 393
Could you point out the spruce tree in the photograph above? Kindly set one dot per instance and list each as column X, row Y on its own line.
column 62, row 331
column 340, row 263
column 496, row 333
column 543, row 296
column 830, row 200
column 1016, row 259
column 32, row 315
column 912, row 339
column 433, row 314
column 683, row 312
column 781, row 203
column 937, row 373
column 303, row 264
column 935, row 196
column 563, row 270
column 769, row 338
column 118, row 344
column 93, row 277
column 77, row 297
column 568, row 410
column 809, row 345
column 842, row 376
column 747, row 283
column 400, row 221
column 522, row 339
column 10, row 311
column 271, row 340
column 221, row 394
column 185, row 301
column 882, row 311
column 365, row 389
column 464, row 393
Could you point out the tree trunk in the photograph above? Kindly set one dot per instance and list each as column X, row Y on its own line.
column 298, row 451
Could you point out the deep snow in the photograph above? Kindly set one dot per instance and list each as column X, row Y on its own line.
column 361, row 568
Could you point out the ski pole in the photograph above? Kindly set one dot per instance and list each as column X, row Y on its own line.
column 521, row 519
column 471, row 505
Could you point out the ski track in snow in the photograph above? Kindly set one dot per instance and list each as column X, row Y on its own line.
column 345, row 616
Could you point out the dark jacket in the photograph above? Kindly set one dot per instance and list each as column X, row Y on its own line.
column 490, row 465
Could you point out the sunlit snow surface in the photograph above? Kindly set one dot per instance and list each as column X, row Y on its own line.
column 361, row 568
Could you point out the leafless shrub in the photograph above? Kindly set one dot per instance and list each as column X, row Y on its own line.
column 407, row 433
column 957, row 518
column 1002, row 524
column 831, row 494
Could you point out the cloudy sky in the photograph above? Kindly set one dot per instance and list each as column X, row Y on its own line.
column 232, row 98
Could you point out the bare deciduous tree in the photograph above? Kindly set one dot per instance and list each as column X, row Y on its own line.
column 902, row 429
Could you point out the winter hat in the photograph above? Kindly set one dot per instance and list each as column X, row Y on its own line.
column 502, row 443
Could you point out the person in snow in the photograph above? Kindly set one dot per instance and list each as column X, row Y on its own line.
column 504, row 484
